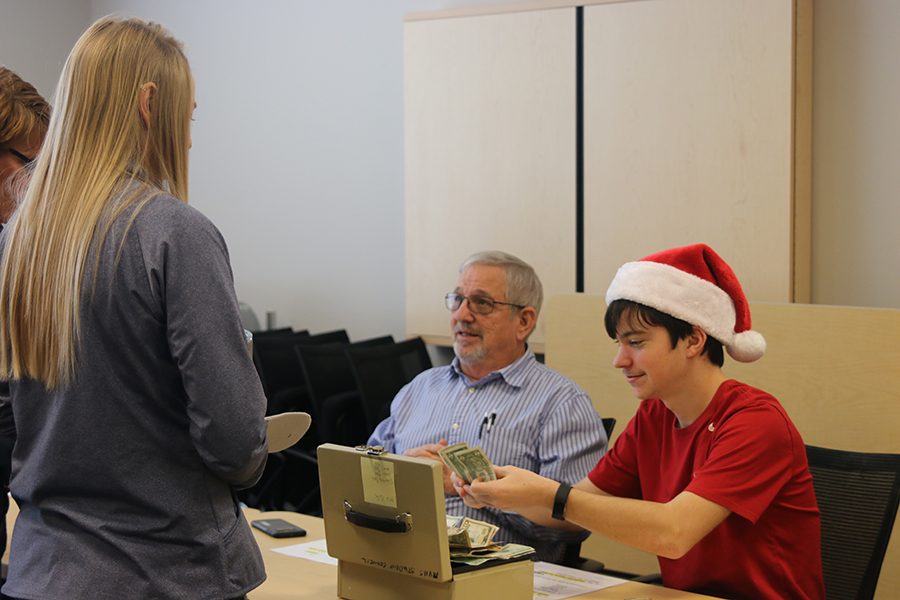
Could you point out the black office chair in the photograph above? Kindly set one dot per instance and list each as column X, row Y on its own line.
column 290, row 481
column 572, row 556
column 380, row 372
column 609, row 423
column 264, row 333
column 335, row 336
column 858, row 495
column 337, row 407
column 279, row 371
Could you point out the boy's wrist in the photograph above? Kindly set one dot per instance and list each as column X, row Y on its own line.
column 559, row 501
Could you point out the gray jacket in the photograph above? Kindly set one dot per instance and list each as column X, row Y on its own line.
column 125, row 480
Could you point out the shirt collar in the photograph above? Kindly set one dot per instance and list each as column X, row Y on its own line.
column 513, row 374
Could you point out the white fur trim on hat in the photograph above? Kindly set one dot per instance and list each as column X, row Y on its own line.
column 689, row 298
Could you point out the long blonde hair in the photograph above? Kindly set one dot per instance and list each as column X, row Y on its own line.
column 97, row 146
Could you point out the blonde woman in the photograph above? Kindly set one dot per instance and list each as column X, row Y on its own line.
column 137, row 406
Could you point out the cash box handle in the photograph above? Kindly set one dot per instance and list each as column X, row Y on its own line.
column 397, row 524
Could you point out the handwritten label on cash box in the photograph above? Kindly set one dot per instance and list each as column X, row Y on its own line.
column 404, row 569
column 378, row 481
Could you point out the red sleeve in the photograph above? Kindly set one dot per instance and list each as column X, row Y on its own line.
column 749, row 462
column 616, row 472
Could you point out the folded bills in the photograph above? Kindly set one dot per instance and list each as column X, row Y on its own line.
column 469, row 533
column 472, row 542
column 468, row 463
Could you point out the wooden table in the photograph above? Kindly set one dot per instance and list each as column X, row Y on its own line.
column 296, row 578
column 292, row 578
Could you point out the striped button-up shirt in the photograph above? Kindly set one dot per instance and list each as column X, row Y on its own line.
column 539, row 420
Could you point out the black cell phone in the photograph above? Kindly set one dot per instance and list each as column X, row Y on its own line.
column 278, row 528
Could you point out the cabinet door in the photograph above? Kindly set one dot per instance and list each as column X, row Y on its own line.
column 689, row 128
column 490, row 152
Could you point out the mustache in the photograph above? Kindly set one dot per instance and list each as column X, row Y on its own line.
column 465, row 329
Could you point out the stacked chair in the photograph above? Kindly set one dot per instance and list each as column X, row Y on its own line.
column 346, row 387
column 380, row 371
column 290, row 481
column 336, row 404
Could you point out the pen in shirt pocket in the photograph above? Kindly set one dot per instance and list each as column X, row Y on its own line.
column 487, row 423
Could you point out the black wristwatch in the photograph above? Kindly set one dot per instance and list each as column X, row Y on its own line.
column 559, row 501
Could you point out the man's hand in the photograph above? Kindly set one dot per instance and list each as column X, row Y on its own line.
column 430, row 451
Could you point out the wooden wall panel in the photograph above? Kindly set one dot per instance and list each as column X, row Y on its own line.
column 688, row 136
column 490, row 151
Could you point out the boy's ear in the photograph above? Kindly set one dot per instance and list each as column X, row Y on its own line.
column 695, row 341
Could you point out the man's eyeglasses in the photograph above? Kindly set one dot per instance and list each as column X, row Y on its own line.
column 481, row 305
column 25, row 160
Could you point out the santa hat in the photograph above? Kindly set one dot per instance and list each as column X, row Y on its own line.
column 693, row 284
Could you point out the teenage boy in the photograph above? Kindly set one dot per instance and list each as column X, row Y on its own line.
column 710, row 474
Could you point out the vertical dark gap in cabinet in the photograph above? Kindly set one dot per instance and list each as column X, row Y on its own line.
column 579, row 149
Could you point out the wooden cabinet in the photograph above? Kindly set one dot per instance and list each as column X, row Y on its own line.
column 490, row 151
column 580, row 137
column 689, row 137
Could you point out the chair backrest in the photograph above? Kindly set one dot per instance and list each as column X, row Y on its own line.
column 326, row 366
column 380, row 371
column 609, row 423
column 327, row 371
column 276, row 362
column 335, row 400
column 328, row 337
column 266, row 333
column 858, row 494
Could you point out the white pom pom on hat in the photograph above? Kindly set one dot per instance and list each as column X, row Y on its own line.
column 694, row 284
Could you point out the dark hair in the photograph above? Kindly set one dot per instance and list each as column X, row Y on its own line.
column 650, row 317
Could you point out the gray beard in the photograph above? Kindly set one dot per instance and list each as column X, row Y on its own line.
column 473, row 356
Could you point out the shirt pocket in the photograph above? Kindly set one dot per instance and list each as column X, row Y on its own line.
column 513, row 441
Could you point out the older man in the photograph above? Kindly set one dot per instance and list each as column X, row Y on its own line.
column 496, row 395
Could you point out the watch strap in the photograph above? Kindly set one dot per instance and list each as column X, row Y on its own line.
column 559, row 501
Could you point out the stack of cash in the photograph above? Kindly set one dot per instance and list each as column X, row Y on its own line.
column 495, row 552
column 472, row 542
column 469, row 533
column 469, row 464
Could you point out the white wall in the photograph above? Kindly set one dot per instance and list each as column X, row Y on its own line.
column 37, row 35
column 297, row 151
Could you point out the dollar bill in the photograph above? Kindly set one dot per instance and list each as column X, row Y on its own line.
column 458, row 551
column 454, row 521
column 475, row 464
column 448, row 456
column 470, row 533
column 503, row 552
column 468, row 463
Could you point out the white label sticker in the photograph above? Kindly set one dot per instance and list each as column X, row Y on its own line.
column 378, row 481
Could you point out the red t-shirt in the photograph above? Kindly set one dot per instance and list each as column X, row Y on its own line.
column 743, row 453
